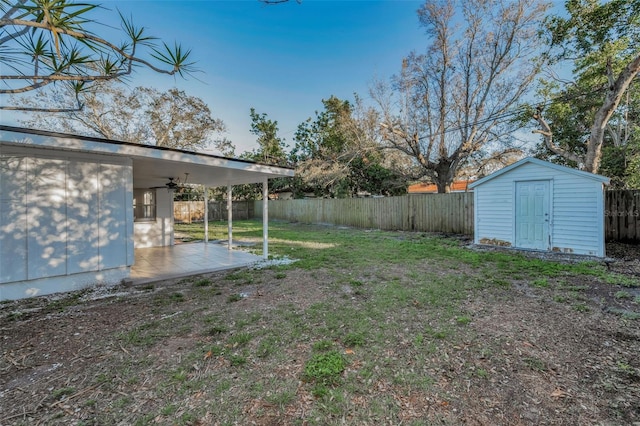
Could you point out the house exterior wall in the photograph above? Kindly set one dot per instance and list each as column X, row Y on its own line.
column 159, row 232
column 65, row 221
column 576, row 210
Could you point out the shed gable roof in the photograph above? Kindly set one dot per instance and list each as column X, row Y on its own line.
column 531, row 160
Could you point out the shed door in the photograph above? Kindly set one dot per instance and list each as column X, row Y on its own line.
column 532, row 215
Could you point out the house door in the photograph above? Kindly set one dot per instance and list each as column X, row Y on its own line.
column 532, row 215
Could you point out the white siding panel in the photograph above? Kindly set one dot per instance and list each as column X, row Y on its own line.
column 13, row 219
column 112, row 219
column 51, row 222
column 128, row 207
column 83, row 212
column 46, row 218
column 13, row 242
column 577, row 216
column 495, row 211
column 13, row 178
column 531, row 172
column 165, row 217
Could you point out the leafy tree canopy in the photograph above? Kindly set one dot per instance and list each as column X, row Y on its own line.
column 337, row 154
column 600, row 40
column 271, row 148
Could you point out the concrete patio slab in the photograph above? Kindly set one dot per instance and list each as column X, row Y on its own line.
column 182, row 260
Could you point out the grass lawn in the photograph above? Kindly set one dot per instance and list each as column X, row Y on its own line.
column 365, row 327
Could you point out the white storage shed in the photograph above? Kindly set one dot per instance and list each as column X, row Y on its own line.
column 537, row 205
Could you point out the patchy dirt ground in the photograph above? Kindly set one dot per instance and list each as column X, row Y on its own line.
column 558, row 354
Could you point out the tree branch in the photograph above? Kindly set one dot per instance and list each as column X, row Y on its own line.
column 10, row 12
column 89, row 37
column 548, row 140
column 26, row 109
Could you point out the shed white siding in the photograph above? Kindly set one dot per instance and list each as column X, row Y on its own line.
column 578, row 217
column 576, row 220
column 62, row 215
column 494, row 204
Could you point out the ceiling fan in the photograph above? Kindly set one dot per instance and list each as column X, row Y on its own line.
column 173, row 184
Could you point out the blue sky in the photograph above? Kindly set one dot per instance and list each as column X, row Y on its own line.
column 280, row 59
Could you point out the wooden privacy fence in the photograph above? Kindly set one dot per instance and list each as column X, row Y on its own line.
column 193, row 211
column 622, row 215
column 188, row 211
column 451, row 213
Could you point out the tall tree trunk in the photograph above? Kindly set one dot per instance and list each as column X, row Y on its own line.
column 443, row 186
column 445, row 173
column 614, row 95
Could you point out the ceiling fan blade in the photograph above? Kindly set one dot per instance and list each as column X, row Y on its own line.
column 169, row 185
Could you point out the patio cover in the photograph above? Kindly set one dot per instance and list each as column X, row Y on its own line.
column 153, row 165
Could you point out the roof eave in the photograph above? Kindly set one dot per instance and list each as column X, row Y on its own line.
column 60, row 141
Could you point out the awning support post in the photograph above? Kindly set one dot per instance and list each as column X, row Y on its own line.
column 230, row 215
column 265, row 219
column 206, row 214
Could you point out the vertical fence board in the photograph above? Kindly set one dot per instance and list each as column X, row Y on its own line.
column 193, row 211
column 451, row 213
column 622, row 215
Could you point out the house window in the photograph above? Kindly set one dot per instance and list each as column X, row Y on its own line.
column 144, row 205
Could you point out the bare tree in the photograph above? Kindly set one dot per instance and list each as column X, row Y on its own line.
column 181, row 121
column 47, row 41
column 454, row 104
column 109, row 111
column 143, row 115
